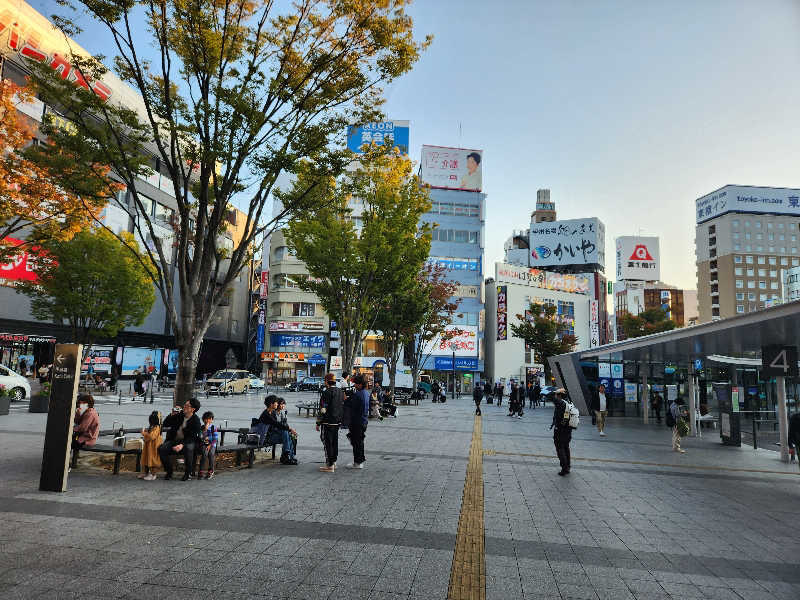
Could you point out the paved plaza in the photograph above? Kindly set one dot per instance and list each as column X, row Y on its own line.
column 632, row 520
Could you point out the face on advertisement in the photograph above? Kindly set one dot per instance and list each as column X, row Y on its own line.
column 472, row 164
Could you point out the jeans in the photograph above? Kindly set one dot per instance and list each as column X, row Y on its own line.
column 601, row 419
column 562, row 436
column 210, row 456
column 357, row 435
column 477, row 407
column 282, row 437
column 329, row 434
column 165, row 452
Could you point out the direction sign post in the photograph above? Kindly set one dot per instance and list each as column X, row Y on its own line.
column 783, row 425
column 780, row 362
column 60, row 416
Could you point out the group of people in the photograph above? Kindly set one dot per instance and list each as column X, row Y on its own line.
column 516, row 396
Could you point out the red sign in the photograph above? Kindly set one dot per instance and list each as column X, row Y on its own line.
column 21, row 266
column 640, row 253
column 264, row 284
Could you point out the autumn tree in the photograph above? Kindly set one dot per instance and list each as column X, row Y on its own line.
column 363, row 242
column 40, row 203
column 652, row 320
column 437, row 317
column 93, row 283
column 544, row 333
column 232, row 94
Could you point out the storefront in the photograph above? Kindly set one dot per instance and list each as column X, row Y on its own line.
column 34, row 350
column 372, row 367
column 284, row 367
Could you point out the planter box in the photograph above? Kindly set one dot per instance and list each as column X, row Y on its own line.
column 39, row 404
column 5, row 403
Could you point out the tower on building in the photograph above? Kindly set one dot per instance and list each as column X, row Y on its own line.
column 545, row 209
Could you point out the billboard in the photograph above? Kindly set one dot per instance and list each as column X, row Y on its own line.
column 20, row 267
column 143, row 360
column 98, row 360
column 397, row 131
column 502, row 312
column 570, row 242
column 638, row 258
column 747, row 199
column 559, row 282
column 464, row 343
column 281, row 340
column 452, row 168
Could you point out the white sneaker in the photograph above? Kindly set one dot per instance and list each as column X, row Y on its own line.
column 603, row 433
column 355, row 466
column 150, row 477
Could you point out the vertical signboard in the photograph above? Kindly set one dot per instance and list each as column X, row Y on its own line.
column 594, row 323
column 60, row 416
column 264, row 291
column 261, row 326
column 502, row 312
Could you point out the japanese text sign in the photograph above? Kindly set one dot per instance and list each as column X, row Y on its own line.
column 396, row 131
column 638, row 258
column 502, row 312
column 738, row 198
column 570, row 242
column 452, row 168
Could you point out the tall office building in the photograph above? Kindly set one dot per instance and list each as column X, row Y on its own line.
column 744, row 237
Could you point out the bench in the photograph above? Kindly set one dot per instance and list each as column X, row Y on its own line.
column 109, row 449
column 309, row 407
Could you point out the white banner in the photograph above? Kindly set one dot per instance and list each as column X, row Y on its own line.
column 571, row 242
column 452, row 168
column 464, row 343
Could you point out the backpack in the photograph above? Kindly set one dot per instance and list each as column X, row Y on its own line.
column 669, row 419
column 572, row 417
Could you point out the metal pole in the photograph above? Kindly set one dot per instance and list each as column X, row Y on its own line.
column 645, row 396
column 780, row 383
column 454, row 374
column 755, row 435
column 692, row 400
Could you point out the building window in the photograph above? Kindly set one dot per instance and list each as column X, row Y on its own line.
column 781, row 237
column 750, row 272
column 783, row 249
column 761, row 260
column 751, row 296
column 736, row 235
column 773, row 260
column 737, row 246
column 762, row 285
column 748, row 247
column 769, row 225
column 735, row 222
column 759, row 248
column 740, row 296
column 751, row 284
column 738, row 271
column 773, row 285
column 747, row 235
column 780, row 225
column 739, row 283
column 761, row 272
column 758, row 224
column 762, row 297
column 747, row 223
column 737, row 260
column 302, row 309
column 794, row 250
column 784, row 261
column 759, row 236
column 795, row 262
column 773, row 273
column 739, row 308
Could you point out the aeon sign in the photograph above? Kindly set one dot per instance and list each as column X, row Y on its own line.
column 27, row 42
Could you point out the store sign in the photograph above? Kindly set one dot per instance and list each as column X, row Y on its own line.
column 461, row 339
column 284, row 356
column 378, row 133
column 594, row 323
column 25, row 40
column 20, row 267
column 264, row 291
column 467, row 291
column 630, row 393
column 21, row 337
column 452, row 168
column 502, row 312
column 99, row 359
column 336, row 363
column 559, row 282
column 638, row 258
column 445, row 363
column 296, row 326
column 570, row 242
column 747, row 199
column 279, row 340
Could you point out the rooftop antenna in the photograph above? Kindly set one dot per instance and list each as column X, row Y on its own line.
column 459, row 133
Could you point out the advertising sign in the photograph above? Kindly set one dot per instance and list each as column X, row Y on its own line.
column 452, row 168
column 630, row 393
column 20, row 267
column 604, row 370
column 638, row 258
column 617, row 387
column 571, row 242
column 280, row 340
column 336, row 363
column 616, row 371
column 297, row 326
column 144, row 360
column 397, row 131
column 264, row 291
column 286, row 356
column 60, row 417
column 464, row 343
column 172, row 362
column 502, row 312
column 748, row 199
column 445, row 363
column 99, row 359
column 594, row 323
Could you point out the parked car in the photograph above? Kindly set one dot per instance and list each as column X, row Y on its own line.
column 15, row 383
column 313, row 384
column 256, row 383
column 228, row 381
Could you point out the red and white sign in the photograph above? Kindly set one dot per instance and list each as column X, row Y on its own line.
column 464, row 343
column 295, row 326
column 637, row 258
column 21, row 266
column 264, row 284
column 640, row 253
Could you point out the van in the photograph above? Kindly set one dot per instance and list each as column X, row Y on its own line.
column 228, row 381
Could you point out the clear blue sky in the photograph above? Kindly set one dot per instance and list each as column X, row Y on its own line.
column 626, row 110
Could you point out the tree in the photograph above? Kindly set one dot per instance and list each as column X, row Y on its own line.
column 440, row 309
column 233, row 94
column 543, row 333
column 652, row 320
column 357, row 260
column 41, row 203
column 92, row 282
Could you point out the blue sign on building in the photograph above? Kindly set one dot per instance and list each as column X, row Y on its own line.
column 260, row 338
column 316, row 359
column 282, row 340
column 445, row 363
column 397, row 131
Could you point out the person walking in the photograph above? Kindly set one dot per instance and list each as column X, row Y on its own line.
column 562, row 432
column 329, row 418
column 675, row 413
column 477, row 396
column 487, row 391
column 656, row 403
column 600, row 408
column 537, row 394
column 498, row 393
column 512, row 400
column 359, row 417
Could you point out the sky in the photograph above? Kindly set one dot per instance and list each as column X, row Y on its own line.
column 626, row 110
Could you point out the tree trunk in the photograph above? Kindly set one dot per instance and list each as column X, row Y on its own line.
column 188, row 340
column 391, row 364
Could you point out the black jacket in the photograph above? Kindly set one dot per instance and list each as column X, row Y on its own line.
column 477, row 394
column 487, row 389
column 270, row 420
column 331, row 406
column 559, row 406
column 794, row 431
column 192, row 433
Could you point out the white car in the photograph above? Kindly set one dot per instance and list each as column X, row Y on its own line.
column 256, row 383
column 15, row 383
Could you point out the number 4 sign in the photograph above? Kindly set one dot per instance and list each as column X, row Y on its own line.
column 779, row 361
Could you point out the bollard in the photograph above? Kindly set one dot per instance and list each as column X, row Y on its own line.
column 151, row 394
column 119, row 395
column 755, row 442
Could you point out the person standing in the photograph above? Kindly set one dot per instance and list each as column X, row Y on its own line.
column 657, row 406
column 487, row 391
column 359, row 417
column 512, row 400
column 498, row 393
column 675, row 413
column 435, row 391
column 477, row 396
column 562, row 432
column 600, row 407
column 537, row 393
column 329, row 418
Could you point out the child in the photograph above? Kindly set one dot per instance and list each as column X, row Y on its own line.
column 283, row 416
column 152, row 440
column 210, row 439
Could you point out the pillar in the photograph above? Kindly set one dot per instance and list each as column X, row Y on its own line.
column 783, row 426
column 692, row 399
column 645, row 396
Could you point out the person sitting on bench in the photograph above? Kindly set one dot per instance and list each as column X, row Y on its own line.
column 183, row 437
column 277, row 432
column 87, row 423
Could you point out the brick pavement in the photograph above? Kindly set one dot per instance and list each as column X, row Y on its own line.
column 636, row 522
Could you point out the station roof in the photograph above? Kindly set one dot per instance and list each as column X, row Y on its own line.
column 741, row 336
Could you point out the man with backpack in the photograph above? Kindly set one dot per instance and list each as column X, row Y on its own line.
column 329, row 418
column 565, row 419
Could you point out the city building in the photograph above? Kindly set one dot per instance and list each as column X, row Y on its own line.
column 151, row 343
column 744, row 237
column 509, row 296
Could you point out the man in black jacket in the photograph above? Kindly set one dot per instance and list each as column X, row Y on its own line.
column 184, row 431
column 487, row 391
column 277, row 432
column 562, row 432
column 477, row 396
column 329, row 418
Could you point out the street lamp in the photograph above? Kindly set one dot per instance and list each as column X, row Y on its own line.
column 453, row 347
